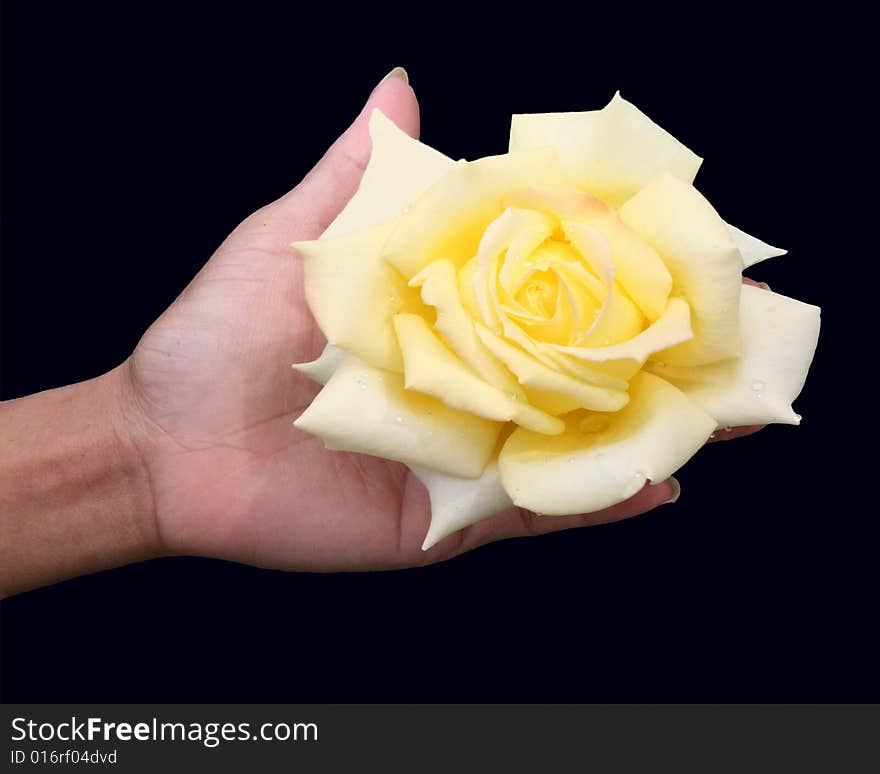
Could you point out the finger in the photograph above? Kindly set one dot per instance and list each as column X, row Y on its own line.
column 518, row 522
column 755, row 283
column 324, row 191
column 729, row 433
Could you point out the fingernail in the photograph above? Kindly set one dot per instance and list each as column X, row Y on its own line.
column 675, row 492
column 764, row 285
column 397, row 72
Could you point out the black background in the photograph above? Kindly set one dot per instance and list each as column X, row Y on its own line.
column 134, row 140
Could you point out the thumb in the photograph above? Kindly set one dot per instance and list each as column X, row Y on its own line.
column 324, row 191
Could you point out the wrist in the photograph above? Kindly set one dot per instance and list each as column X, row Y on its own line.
column 125, row 424
column 75, row 495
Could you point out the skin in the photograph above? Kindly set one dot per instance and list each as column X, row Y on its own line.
column 187, row 447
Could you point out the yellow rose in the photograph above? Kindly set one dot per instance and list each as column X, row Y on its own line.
column 553, row 327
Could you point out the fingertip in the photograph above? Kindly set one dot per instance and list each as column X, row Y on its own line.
column 335, row 178
column 646, row 499
column 729, row 433
column 397, row 72
column 674, row 491
column 395, row 97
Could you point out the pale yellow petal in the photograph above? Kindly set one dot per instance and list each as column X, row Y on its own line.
column 611, row 153
column 354, row 294
column 618, row 318
column 521, row 244
column 758, row 387
column 538, row 130
column 639, row 269
column 449, row 219
column 553, row 403
column 751, row 248
column 324, row 366
column 673, row 327
column 601, row 460
column 430, row 368
column 534, row 374
column 465, row 282
column 439, row 288
column 497, row 237
column 705, row 264
column 400, row 168
column 367, row 410
column 457, row 503
column 588, row 372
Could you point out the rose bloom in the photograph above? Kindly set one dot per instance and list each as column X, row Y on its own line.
column 552, row 327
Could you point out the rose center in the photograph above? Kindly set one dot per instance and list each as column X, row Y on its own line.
column 539, row 293
column 553, row 292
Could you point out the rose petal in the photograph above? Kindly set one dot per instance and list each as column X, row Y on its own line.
column 324, row 366
column 448, row 220
column 367, row 410
column 751, row 248
column 440, row 289
column 399, row 169
column 354, row 294
column 706, row 266
column 538, row 130
column 588, row 372
column 457, row 503
column 618, row 319
column 673, row 327
column 532, row 373
column 523, row 240
column 611, row 153
column 431, row 368
column 601, row 460
column 512, row 225
column 779, row 339
column 638, row 268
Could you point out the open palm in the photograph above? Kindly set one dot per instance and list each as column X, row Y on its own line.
column 211, row 397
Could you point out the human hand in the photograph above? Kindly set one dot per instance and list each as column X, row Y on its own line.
column 208, row 399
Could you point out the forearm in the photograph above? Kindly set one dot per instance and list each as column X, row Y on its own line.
column 74, row 495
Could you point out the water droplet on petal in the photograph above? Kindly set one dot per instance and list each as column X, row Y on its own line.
column 399, row 420
column 362, row 384
column 727, row 428
column 758, row 385
column 570, row 460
